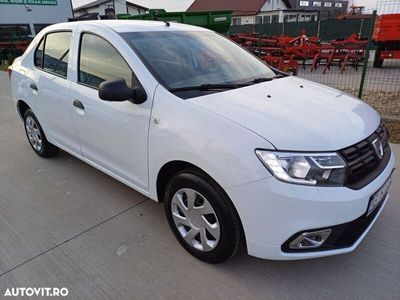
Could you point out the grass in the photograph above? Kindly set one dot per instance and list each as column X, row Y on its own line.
column 394, row 130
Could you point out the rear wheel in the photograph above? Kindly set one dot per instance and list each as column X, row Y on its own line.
column 36, row 137
column 202, row 217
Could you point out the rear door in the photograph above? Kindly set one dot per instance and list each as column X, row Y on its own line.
column 50, row 89
column 113, row 135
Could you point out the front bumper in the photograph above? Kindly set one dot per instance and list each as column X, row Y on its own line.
column 272, row 212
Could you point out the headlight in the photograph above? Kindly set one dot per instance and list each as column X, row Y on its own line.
column 305, row 168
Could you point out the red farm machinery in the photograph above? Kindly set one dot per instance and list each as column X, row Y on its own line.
column 386, row 37
column 287, row 53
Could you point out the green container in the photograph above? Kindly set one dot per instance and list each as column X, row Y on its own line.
column 218, row 20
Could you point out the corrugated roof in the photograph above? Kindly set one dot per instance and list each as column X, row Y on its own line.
column 238, row 7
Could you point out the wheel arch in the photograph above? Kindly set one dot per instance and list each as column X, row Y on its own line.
column 168, row 170
column 171, row 168
column 22, row 107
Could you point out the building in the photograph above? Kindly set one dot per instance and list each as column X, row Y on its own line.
column 21, row 19
column 257, row 11
column 328, row 9
column 109, row 8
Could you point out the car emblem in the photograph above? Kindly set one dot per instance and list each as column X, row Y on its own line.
column 377, row 143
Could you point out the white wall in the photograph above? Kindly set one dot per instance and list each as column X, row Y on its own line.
column 273, row 5
column 120, row 8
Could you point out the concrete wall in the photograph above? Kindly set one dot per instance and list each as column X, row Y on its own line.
column 35, row 14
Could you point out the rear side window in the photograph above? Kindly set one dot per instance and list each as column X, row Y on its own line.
column 100, row 61
column 56, row 50
column 39, row 54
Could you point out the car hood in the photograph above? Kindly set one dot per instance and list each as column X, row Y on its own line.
column 296, row 114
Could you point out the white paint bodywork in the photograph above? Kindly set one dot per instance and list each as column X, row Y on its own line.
column 217, row 133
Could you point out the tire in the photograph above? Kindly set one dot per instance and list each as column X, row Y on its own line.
column 205, row 242
column 36, row 136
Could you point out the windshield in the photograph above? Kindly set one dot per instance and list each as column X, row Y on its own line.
column 181, row 59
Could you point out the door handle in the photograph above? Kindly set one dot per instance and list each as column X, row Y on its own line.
column 78, row 104
column 33, row 87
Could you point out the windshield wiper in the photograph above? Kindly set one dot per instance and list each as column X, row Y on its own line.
column 219, row 86
column 209, row 86
column 263, row 79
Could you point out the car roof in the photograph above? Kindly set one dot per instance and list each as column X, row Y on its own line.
column 130, row 25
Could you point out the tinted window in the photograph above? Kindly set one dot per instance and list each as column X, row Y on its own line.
column 100, row 61
column 56, row 53
column 39, row 54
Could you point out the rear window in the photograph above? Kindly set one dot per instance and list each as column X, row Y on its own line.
column 39, row 54
column 56, row 51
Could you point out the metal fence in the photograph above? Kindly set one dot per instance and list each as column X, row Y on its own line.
column 325, row 53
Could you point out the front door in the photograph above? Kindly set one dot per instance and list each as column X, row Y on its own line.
column 113, row 135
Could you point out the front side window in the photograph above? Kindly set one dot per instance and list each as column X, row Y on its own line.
column 56, row 52
column 100, row 61
column 180, row 59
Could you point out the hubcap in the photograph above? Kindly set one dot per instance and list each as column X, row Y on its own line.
column 33, row 132
column 195, row 219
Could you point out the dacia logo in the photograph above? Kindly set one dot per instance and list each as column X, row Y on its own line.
column 377, row 143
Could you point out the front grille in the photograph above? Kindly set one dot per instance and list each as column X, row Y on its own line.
column 363, row 162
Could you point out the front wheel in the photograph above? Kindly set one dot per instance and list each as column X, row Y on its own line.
column 202, row 217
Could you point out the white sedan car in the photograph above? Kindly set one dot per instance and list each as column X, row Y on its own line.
column 240, row 154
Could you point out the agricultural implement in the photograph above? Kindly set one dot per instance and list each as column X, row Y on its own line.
column 387, row 38
column 286, row 53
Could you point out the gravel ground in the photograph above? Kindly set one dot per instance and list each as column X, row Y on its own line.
column 394, row 130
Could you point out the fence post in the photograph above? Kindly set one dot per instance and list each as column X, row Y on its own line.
column 318, row 28
column 366, row 58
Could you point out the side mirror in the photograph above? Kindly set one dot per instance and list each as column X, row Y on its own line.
column 116, row 90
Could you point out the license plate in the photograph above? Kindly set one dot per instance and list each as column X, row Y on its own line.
column 378, row 197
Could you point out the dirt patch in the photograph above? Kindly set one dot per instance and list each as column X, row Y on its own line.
column 394, row 130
